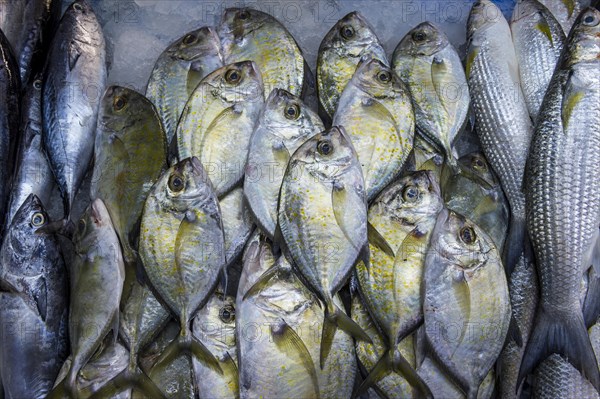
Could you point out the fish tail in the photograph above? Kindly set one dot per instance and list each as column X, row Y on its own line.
column 564, row 334
column 393, row 361
column 517, row 244
column 336, row 318
column 128, row 379
column 186, row 343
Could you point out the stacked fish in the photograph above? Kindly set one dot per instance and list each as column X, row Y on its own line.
column 394, row 228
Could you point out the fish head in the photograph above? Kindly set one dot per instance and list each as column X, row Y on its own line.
column 377, row 79
column 81, row 13
column 584, row 39
column 423, row 40
column 95, row 218
column 283, row 109
column 484, row 14
column 461, row 243
column 21, row 237
column 237, row 82
column 216, row 320
column 350, row 36
column 476, row 163
column 195, row 44
column 121, row 107
column 327, row 155
column 413, row 197
column 526, row 10
column 236, row 23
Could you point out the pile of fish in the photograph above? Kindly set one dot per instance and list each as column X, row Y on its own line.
column 425, row 225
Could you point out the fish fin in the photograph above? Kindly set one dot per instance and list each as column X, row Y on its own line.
column 292, row 345
column 278, row 242
column 334, row 319
column 379, row 241
column 365, row 256
column 74, row 55
column 564, row 334
column 395, row 362
column 515, row 244
column 40, row 296
column 126, row 379
column 187, row 344
column 591, row 306
column 514, row 332
column 543, row 27
column 569, row 101
column 261, row 282
column 411, row 162
column 470, row 59
column 230, row 365
column 570, row 4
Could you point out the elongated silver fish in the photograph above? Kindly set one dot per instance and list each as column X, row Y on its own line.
column 538, row 39
column 351, row 39
column 33, row 305
column 502, row 119
column 323, row 240
column 32, row 173
column 566, row 11
column 563, row 200
column 74, row 81
column 431, row 68
column 178, row 70
column 284, row 124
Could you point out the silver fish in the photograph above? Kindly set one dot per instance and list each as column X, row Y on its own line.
column 566, row 11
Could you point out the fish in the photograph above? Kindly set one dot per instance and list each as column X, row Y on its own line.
column 402, row 219
column 349, row 41
column 10, row 89
column 29, row 26
column 376, row 111
column 563, row 158
column 466, row 302
column 478, row 196
column 100, row 369
column 32, row 172
column 538, row 39
column 33, row 305
column 278, row 334
column 238, row 224
column 218, row 120
column 284, row 124
column 320, row 238
column 182, row 249
column 392, row 385
column 555, row 377
column 73, row 82
column 566, row 11
column 93, row 308
column 501, row 116
column 431, row 68
column 130, row 153
column 214, row 325
column 250, row 34
column 178, row 71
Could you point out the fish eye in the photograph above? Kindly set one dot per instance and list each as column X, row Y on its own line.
column 347, row 32
column 324, row 147
column 77, row 7
column 233, row 76
column 419, row 36
column 243, row 15
column 176, row 183
column 292, row 111
column 37, row 84
column 189, row 39
column 38, row 219
column 479, row 164
column 227, row 314
column 410, row 193
column 384, row 76
column 590, row 20
column 119, row 103
column 467, row 235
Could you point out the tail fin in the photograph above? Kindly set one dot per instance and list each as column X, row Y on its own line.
column 336, row 318
column 516, row 244
column 128, row 379
column 186, row 343
column 393, row 361
column 564, row 334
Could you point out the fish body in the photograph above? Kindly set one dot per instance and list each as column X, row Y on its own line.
column 377, row 113
column 177, row 72
column 74, row 81
column 237, row 223
column 432, row 70
column 283, row 125
column 218, row 120
column 566, row 11
column 563, row 191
